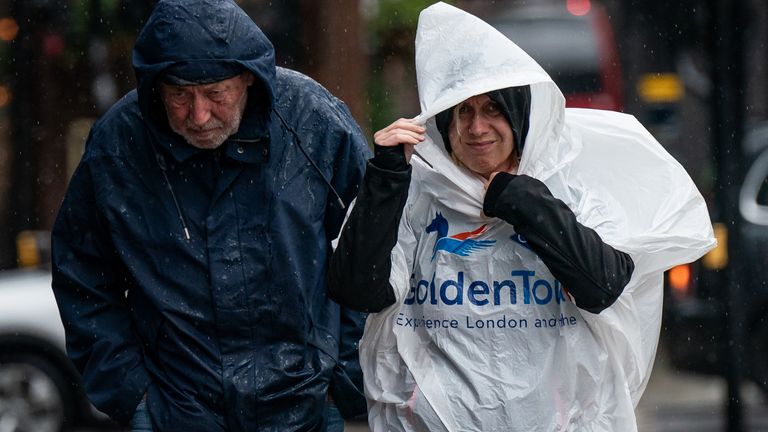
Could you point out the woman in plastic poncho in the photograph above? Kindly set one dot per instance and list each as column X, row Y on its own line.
column 513, row 263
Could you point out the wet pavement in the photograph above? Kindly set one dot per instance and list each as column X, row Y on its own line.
column 674, row 401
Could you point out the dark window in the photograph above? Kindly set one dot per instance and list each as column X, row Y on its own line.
column 565, row 47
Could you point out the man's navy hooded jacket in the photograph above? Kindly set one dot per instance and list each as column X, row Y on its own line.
column 229, row 329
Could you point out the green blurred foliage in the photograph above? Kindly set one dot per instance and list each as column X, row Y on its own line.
column 398, row 14
column 392, row 32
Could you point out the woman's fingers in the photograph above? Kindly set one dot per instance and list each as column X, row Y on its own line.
column 402, row 131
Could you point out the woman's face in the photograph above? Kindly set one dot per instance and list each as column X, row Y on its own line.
column 483, row 139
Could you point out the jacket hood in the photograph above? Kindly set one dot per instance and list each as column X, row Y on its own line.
column 459, row 56
column 191, row 33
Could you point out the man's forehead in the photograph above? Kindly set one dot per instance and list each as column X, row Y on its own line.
column 193, row 86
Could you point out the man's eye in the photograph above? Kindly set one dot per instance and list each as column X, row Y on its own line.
column 178, row 97
column 216, row 95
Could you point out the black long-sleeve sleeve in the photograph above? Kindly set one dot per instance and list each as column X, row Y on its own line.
column 358, row 276
column 593, row 272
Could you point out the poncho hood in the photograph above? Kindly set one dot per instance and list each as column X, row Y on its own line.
column 452, row 66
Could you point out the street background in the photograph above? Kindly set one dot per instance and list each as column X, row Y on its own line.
column 694, row 72
column 64, row 62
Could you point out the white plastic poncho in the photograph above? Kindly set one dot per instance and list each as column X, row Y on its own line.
column 483, row 338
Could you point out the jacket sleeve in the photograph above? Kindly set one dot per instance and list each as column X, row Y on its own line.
column 359, row 272
column 90, row 285
column 593, row 272
column 346, row 386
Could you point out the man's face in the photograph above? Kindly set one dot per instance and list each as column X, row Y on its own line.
column 483, row 139
column 206, row 114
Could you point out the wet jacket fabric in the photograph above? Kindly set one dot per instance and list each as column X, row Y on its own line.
column 481, row 330
column 228, row 328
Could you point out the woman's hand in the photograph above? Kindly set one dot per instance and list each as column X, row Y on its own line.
column 490, row 179
column 487, row 183
column 402, row 131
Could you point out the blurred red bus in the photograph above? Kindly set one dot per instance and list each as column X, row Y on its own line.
column 574, row 42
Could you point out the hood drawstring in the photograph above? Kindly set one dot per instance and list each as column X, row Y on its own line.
column 312, row 162
column 163, row 168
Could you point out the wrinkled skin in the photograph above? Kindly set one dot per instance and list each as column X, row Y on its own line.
column 207, row 114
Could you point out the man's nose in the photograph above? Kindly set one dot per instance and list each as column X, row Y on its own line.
column 200, row 111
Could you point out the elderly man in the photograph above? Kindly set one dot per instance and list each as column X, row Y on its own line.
column 190, row 252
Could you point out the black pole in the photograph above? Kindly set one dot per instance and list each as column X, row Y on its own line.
column 728, row 119
column 25, row 145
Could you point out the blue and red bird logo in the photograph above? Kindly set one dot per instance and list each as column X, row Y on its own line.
column 462, row 244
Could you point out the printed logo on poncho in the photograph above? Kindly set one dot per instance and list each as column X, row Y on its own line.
column 524, row 288
column 462, row 244
column 519, row 239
